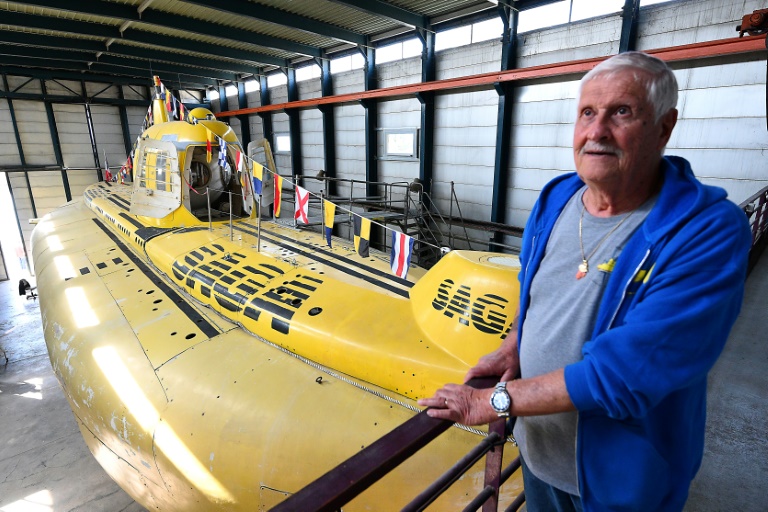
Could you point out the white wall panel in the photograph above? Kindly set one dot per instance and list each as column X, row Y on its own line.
column 102, row 90
column 399, row 72
column 9, row 150
column 24, row 84
column 75, row 141
column 312, row 158
column 35, row 134
column 23, row 202
column 691, row 21
column 109, row 135
column 47, row 191
column 309, row 89
column 474, row 59
column 63, row 88
column 79, row 180
column 134, row 92
column 581, row 40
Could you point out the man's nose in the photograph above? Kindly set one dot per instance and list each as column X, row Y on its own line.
column 599, row 128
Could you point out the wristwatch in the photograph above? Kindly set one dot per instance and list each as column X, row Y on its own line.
column 500, row 400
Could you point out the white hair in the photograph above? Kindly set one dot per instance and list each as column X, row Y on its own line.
column 659, row 80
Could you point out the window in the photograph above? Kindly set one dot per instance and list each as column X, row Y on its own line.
column 488, row 29
column 276, row 79
column 252, row 85
column 412, row 48
column 401, row 143
column 282, row 143
column 307, row 72
column 212, row 94
column 459, row 36
column 230, row 90
column 348, row 63
column 389, row 53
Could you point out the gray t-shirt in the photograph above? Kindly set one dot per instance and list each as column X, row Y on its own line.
column 560, row 319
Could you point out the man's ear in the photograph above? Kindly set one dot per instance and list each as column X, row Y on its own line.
column 667, row 122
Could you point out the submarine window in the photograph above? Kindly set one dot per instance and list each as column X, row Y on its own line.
column 281, row 290
column 150, row 292
column 190, row 336
column 173, row 333
column 295, row 302
column 158, row 301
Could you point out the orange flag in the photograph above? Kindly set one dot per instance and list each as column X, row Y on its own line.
column 278, row 193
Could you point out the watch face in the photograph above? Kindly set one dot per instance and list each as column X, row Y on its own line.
column 500, row 401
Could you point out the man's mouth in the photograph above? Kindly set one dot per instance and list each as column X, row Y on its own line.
column 593, row 149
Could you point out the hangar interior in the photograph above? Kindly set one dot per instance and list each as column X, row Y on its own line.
column 337, row 89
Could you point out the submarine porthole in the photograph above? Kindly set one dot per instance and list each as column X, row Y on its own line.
column 281, row 290
column 295, row 302
column 158, row 301
column 150, row 292
column 190, row 336
column 173, row 333
column 315, row 311
column 154, row 309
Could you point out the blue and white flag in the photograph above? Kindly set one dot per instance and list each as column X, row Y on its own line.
column 400, row 256
column 222, row 153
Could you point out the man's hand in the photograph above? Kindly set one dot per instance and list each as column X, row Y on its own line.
column 503, row 361
column 461, row 404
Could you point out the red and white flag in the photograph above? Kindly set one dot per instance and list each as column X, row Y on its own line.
column 400, row 256
column 302, row 205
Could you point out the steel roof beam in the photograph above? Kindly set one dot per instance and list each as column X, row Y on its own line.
column 119, row 49
column 113, row 33
column 141, row 64
column 52, row 74
column 386, row 10
column 104, row 70
column 150, row 16
column 248, row 9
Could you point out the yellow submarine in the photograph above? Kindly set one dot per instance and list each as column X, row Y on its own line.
column 224, row 363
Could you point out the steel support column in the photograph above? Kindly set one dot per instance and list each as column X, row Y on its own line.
column 427, row 100
column 329, row 124
column 371, row 114
column 294, row 126
column 629, row 18
column 223, row 102
column 56, row 147
column 245, row 121
column 266, row 117
column 15, row 125
column 127, row 142
column 503, row 123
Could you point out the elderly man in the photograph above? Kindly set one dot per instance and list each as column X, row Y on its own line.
column 632, row 276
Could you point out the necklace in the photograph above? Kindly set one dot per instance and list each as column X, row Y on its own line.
column 584, row 266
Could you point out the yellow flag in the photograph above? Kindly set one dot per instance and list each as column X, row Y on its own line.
column 278, row 193
column 329, row 214
column 362, row 235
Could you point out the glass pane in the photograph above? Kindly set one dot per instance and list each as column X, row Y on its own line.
column 489, row 29
column 283, row 143
column 454, row 37
column 389, row 53
column 276, row 79
column 583, row 9
column 544, row 16
column 411, row 48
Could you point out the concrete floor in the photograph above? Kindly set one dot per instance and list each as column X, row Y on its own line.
column 46, row 467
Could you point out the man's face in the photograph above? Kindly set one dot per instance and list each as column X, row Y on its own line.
column 616, row 141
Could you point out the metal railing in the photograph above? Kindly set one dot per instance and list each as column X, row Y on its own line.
column 756, row 210
column 350, row 478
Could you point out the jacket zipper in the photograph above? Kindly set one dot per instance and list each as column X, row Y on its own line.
column 624, row 292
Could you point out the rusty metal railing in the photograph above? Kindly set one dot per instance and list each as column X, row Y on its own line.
column 350, row 478
column 756, row 210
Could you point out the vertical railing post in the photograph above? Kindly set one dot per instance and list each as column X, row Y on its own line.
column 231, row 237
column 208, row 197
column 493, row 460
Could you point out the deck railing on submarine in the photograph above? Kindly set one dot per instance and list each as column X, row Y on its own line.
column 756, row 210
column 350, row 478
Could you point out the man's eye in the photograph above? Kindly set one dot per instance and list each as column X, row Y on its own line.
column 587, row 112
column 622, row 111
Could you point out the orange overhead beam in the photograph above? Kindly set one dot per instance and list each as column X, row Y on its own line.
column 672, row 54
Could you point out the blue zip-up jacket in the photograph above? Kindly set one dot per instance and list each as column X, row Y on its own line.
column 664, row 318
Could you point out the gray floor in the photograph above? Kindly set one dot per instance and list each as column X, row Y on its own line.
column 46, row 467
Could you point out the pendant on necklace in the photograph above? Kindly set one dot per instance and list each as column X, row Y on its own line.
column 583, row 269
